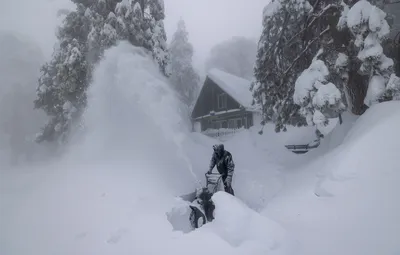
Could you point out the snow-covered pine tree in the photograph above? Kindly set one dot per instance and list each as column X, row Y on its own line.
column 94, row 26
column 141, row 22
column 368, row 28
column 63, row 80
column 130, row 23
column 159, row 37
column 103, row 33
column 281, row 57
column 183, row 76
column 353, row 60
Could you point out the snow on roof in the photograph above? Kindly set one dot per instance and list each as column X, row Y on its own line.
column 238, row 88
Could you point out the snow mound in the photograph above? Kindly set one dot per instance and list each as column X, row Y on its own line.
column 364, row 181
column 243, row 228
column 372, row 137
column 346, row 201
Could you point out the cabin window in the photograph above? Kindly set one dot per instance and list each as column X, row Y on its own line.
column 222, row 98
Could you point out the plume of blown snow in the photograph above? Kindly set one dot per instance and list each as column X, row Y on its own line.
column 132, row 116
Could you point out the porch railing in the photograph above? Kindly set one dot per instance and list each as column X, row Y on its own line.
column 222, row 132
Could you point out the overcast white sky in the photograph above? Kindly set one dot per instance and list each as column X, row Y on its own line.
column 208, row 21
column 212, row 21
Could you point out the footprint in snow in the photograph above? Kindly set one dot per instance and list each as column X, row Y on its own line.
column 117, row 235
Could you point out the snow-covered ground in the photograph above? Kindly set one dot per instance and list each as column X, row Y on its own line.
column 346, row 201
column 110, row 193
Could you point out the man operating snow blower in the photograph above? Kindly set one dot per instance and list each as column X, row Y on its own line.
column 225, row 166
column 200, row 202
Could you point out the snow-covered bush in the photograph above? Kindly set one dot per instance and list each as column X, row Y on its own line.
column 319, row 99
column 393, row 88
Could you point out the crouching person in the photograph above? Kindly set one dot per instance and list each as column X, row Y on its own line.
column 225, row 166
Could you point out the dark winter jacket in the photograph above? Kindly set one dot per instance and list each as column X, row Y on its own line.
column 224, row 163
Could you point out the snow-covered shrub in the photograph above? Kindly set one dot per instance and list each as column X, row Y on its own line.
column 393, row 88
column 319, row 99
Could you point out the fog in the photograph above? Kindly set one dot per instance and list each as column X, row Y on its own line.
column 28, row 36
column 209, row 21
column 36, row 19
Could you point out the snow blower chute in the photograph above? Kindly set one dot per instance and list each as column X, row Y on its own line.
column 196, row 208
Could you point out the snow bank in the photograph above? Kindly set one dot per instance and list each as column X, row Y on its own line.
column 346, row 202
column 245, row 229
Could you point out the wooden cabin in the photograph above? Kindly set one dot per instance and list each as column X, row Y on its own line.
column 224, row 102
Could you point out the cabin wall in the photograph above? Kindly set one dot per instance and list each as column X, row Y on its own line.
column 232, row 120
column 208, row 100
column 257, row 118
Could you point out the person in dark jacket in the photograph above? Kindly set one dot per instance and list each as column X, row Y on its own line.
column 225, row 166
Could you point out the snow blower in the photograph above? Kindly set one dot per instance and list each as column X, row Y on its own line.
column 198, row 205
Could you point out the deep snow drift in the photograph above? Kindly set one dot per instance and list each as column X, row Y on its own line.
column 111, row 192
column 346, row 202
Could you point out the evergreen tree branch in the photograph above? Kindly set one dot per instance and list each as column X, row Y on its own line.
column 276, row 43
column 316, row 18
column 305, row 50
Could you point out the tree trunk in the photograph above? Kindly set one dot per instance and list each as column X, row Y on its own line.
column 357, row 91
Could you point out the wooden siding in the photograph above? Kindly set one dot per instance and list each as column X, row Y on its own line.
column 211, row 121
column 208, row 100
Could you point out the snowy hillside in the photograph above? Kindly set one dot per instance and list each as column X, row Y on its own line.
column 345, row 202
column 111, row 192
